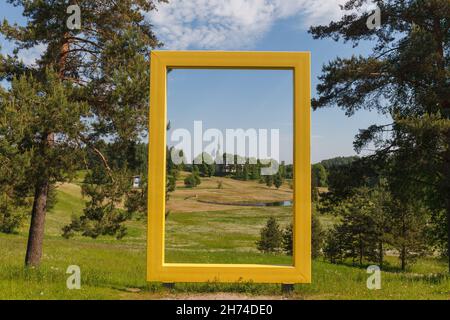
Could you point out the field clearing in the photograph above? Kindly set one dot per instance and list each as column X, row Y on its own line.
column 115, row 269
column 232, row 192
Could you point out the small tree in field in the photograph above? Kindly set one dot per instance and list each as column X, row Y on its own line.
column 278, row 180
column 269, row 181
column 271, row 237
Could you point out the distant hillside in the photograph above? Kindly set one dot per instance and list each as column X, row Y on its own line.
column 338, row 161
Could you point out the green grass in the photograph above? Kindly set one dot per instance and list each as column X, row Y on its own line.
column 215, row 237
column 109, row 268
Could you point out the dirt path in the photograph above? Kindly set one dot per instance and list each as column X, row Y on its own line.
column 200, row 296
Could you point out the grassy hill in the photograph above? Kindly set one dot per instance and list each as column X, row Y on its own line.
column 196, row 232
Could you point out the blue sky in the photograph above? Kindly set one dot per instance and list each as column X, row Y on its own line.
column 233, row 99
column 260, row 25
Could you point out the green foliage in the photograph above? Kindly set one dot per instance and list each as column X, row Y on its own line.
column 136, row 199
column 337, row 162
column 245, row 172
column 11, row 215
column 315, row 196
column 101, row 216
column 288, row 240
column 317, row 238
column 136, row 202
column 14, row 162
column 219, row 185
column 372, row 220
column 192, row 180
column 271, row 237
column 356, row 236
column 206, row 164
column 89, row 85
column 407, row 234
column 277, row 180
column 406, row 76
column 269, row 181
column 30, row 110
column 333, row 250
column 319, row 175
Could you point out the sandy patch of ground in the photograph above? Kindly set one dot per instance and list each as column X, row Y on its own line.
column 200, row 296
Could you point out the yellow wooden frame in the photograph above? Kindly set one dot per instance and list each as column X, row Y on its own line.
column 157, row 269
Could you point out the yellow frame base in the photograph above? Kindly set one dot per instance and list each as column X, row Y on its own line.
column 157, row 269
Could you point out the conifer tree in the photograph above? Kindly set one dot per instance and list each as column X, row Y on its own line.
column 406, row 76
column 106, row 61
column 271, row 237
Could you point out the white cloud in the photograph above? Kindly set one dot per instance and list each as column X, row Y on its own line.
column 29, row 56
column 232, row 24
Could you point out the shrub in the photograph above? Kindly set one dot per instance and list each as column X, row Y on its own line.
column 192, row 180
column 277, row 180
column 10, row 221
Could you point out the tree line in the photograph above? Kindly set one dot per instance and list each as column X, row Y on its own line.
column 407, row 174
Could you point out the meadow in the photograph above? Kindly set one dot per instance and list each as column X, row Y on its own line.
column 115, row 269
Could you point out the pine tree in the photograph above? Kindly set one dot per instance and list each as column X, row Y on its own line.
column 408, row 235
column 14, row 162
column 319, row 175
column 43, row 106
column 271, row 237
column 106, row 64
column 269, row 181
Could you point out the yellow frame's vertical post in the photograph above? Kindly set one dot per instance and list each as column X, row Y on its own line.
column 157, row 165
column 302, row 166
column 157, row 269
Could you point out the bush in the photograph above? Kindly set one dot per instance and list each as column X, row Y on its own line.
column 317, row 237
column 332, row 249
column 13, row 212
column 269, row 181
column 192, row 180
column 271, row 237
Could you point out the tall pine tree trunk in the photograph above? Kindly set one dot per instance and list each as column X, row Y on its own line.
column 39, row 211
column 403, row 257
column 381, row 254
column 36, row 234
